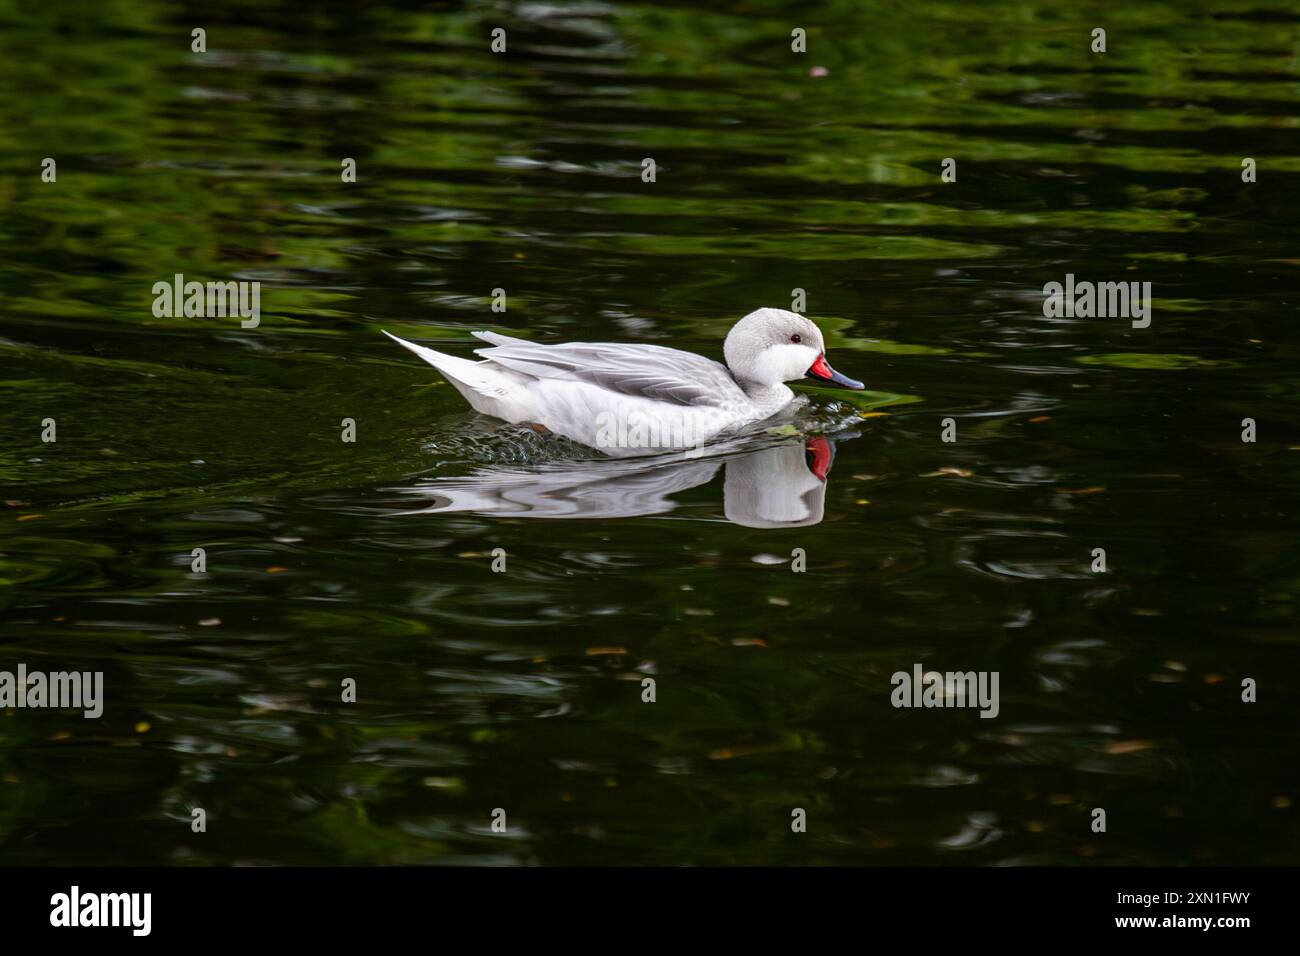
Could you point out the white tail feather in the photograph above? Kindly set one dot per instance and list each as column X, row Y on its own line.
column 486, row 388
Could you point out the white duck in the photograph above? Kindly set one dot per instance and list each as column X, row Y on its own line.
column 641, row 399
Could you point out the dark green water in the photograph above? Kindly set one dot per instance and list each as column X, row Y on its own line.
column 522, row 690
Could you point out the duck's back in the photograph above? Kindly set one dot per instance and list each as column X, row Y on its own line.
column 624, row 399
column 651, row 372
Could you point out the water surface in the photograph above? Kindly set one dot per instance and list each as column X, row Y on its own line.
column 522, row 690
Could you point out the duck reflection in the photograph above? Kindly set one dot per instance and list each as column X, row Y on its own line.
column 778, row 486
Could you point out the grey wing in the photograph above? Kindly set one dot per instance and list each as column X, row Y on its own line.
column 648, row 371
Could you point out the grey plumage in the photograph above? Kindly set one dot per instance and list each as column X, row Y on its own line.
column 645, row 371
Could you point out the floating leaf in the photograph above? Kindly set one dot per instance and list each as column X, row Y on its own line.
column 1167, row 362
column 1128, row 746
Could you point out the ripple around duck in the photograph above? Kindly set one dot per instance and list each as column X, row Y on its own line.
column 468, row 440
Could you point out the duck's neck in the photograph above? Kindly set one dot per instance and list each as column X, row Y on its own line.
column 769, row 398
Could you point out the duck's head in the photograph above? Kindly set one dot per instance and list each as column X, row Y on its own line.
column 771, row 346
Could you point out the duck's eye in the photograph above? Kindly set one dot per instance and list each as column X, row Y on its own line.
column 796, row 338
